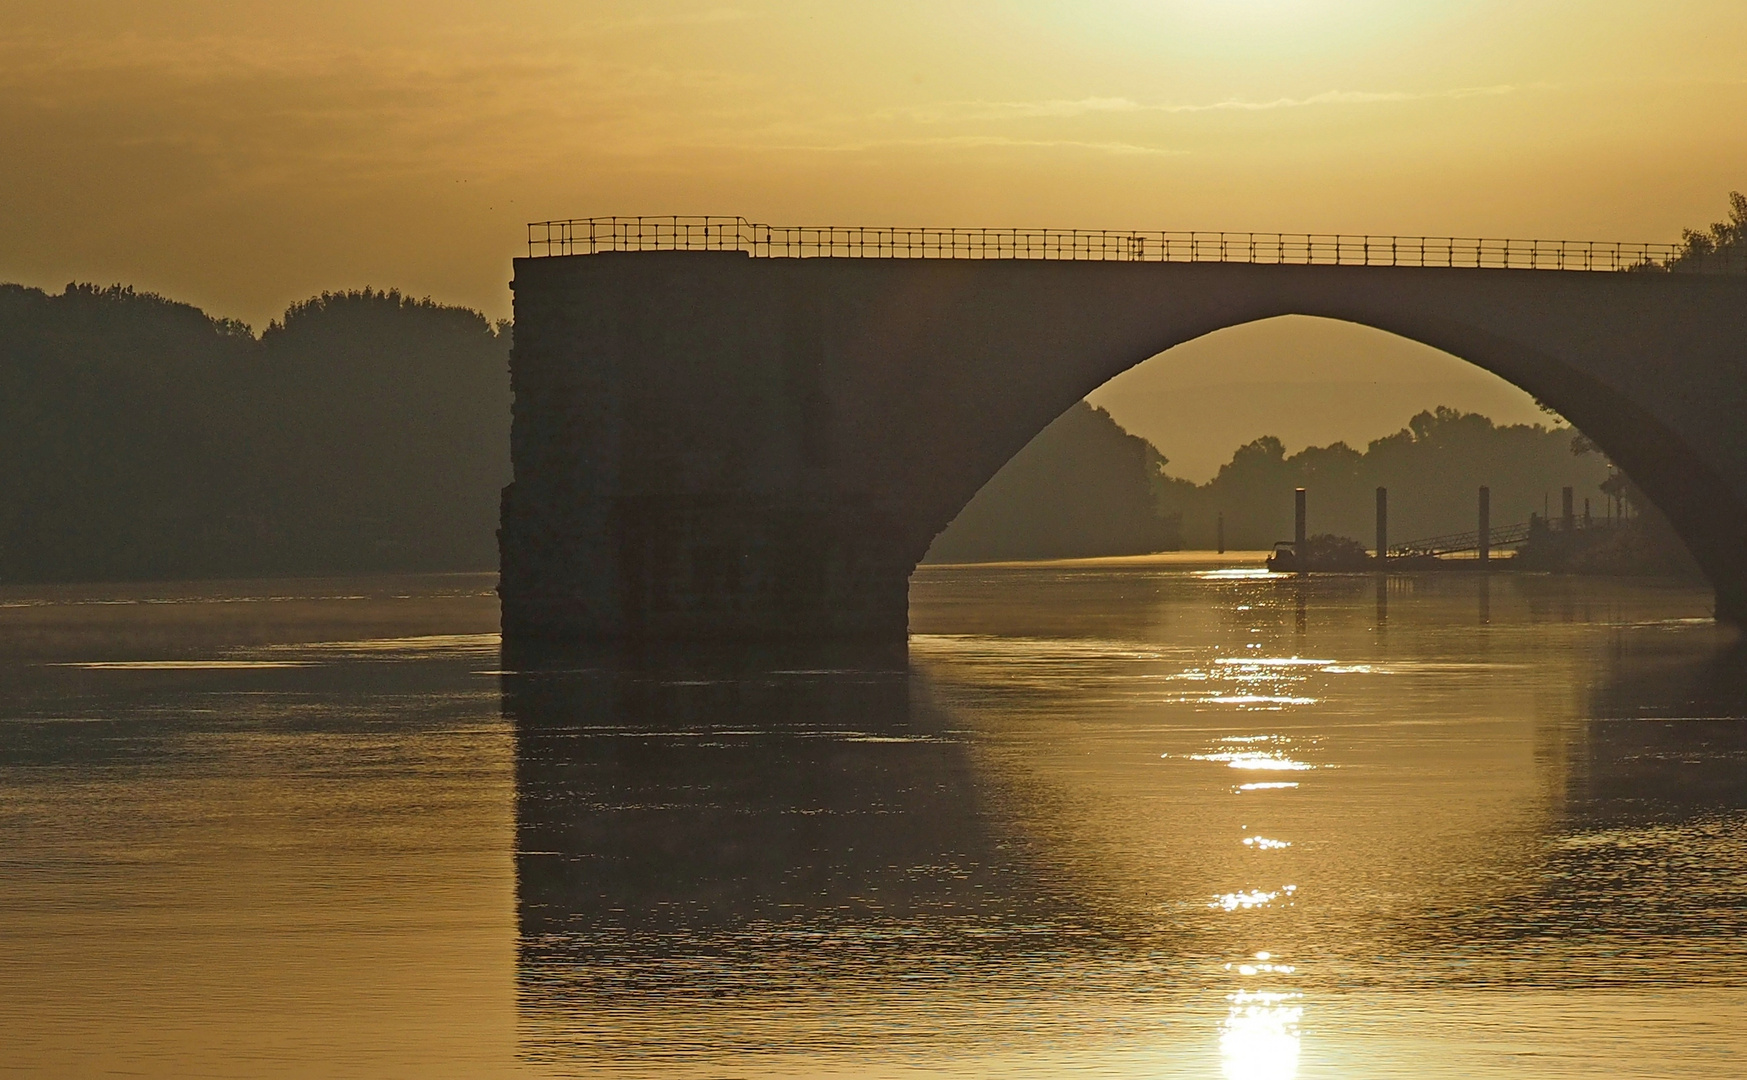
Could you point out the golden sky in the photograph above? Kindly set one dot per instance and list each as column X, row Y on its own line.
column 242, row 154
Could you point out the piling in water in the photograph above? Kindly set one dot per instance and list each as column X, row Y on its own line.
column 1382, row 525
column 1486, row 523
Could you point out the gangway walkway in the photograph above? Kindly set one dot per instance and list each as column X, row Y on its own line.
column 1455, row 543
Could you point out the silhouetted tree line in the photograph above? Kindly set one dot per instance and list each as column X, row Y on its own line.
column 143, row 438
column 1433, row 468
column 1086, row 487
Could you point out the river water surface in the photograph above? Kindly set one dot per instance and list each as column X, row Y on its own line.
column 1126, row 818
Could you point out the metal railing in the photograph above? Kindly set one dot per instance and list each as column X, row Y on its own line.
column 589, row 236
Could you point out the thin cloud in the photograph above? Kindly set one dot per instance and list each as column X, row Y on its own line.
column 238, row 110
column 1063, row 107
column 712, row 17
column 984, row 142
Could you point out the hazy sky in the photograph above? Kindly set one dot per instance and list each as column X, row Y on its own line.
column 242, row 154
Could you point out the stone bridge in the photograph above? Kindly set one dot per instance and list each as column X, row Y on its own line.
column 713, row 443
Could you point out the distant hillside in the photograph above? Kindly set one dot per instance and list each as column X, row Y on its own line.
column 1083, row 487
column 144, row 439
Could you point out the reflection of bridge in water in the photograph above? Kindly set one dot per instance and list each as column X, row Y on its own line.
column 738, row 855
column 734, row 430
column 748, row 850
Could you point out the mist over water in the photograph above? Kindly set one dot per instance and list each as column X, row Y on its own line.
column 1135, row 817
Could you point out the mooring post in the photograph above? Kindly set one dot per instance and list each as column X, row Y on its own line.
column 1298, row 530
column 1221, row 531
column 1382, row 525
column 1486, row 525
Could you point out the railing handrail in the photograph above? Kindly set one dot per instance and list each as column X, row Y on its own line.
column 589, row 236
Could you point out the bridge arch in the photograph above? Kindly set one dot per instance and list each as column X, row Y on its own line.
column 707, row 444
column 1309, row 381
column 1626, row 434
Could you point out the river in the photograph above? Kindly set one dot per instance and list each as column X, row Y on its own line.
column 1159, row 817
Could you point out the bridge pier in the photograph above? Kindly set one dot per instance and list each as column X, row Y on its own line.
column 675, row 469
column 679, row 565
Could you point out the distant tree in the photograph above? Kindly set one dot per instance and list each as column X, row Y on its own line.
column 384, row 436
column 1723, row 244
column 1248, row 490
column 118, row 433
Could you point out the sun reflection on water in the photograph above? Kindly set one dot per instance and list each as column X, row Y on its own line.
column 1255, row 759
column 1262, row 843
column 1258, row 1039
column 1257, row 699
column 1253, row 898
column 1273, row 756
column 1262, row 965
